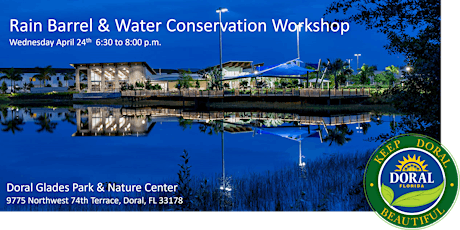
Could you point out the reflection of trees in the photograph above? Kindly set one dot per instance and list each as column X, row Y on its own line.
column 68, row 117
column 5, row 113
column 377, row 118
column 185, row 123
column 366, row 127
column 339, row 135
column 266, row 123
column 12, row 124
column 211, row 127
column 295, row 123
column 45, row 123
column 396, row 129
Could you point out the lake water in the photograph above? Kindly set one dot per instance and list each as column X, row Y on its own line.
column 137, row 145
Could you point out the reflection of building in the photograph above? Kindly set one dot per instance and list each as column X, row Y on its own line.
column 108, row 121
column 111, row 121
column 235, row 128
column 110, row 77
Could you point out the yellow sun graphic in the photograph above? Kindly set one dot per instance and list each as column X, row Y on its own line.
column 411, row 164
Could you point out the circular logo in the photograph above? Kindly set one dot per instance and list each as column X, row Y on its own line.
column 411, row 181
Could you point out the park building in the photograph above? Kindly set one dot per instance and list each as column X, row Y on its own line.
column 232, row 69
column 111, row 77
column 168, row 79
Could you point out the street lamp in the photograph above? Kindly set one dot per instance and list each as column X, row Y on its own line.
column 220, row 11
column 349, row 63
column 357, row 61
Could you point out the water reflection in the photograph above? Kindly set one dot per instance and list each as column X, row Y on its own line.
column 222, row 144
column 14, row 123
column 120, row 121
column 133, row 121
column 126, row 121
column 111, row 121
column 45, row 123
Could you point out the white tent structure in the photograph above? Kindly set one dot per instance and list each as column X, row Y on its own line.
column 312, row 82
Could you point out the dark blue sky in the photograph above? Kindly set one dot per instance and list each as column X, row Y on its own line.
column 187, row 50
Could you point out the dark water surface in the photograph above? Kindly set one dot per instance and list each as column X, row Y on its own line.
column 138, row 145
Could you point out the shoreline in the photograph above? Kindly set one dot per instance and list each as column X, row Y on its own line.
column 299, row 107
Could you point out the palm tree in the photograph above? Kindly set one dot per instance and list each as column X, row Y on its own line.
column 13, row 124
column 365, row 73
column 69, row 118
column 308, row 77
column 327, row 70
column 347, row 73
column 45, row 123
column 44, row 74
column 337, row 68
column 339, row 135
column 68, row 76
column 25, row 86
column 12, row 74
column 393, row 70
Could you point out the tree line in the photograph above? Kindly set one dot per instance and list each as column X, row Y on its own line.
column 43, row 74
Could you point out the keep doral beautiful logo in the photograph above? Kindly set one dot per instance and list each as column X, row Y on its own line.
column 411, row 181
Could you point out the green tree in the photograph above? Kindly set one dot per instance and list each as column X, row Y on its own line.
column 185, row 80
column 381, row 78
column 67, row 77
column 244, row 84
column 212, row 76
column 25, row 86
column 413, row 29
column 31, row 85
column 4, row 87
column 197, row 84
column 364, row 73
column 393, row 70
column 156, row 87
column 44, row 74
column 13, row 75
column 338, row 68
column 345, row 76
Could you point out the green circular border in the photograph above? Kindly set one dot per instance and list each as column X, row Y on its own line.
column 376, row 201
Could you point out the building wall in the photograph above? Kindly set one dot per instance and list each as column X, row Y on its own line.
column 136, row 74
column 232, row 71
column 54, row 82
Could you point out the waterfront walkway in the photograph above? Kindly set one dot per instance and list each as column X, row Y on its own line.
column 302, row 93
column 237, row 117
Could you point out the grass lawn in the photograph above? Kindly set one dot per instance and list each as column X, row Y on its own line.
column 4, row 98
